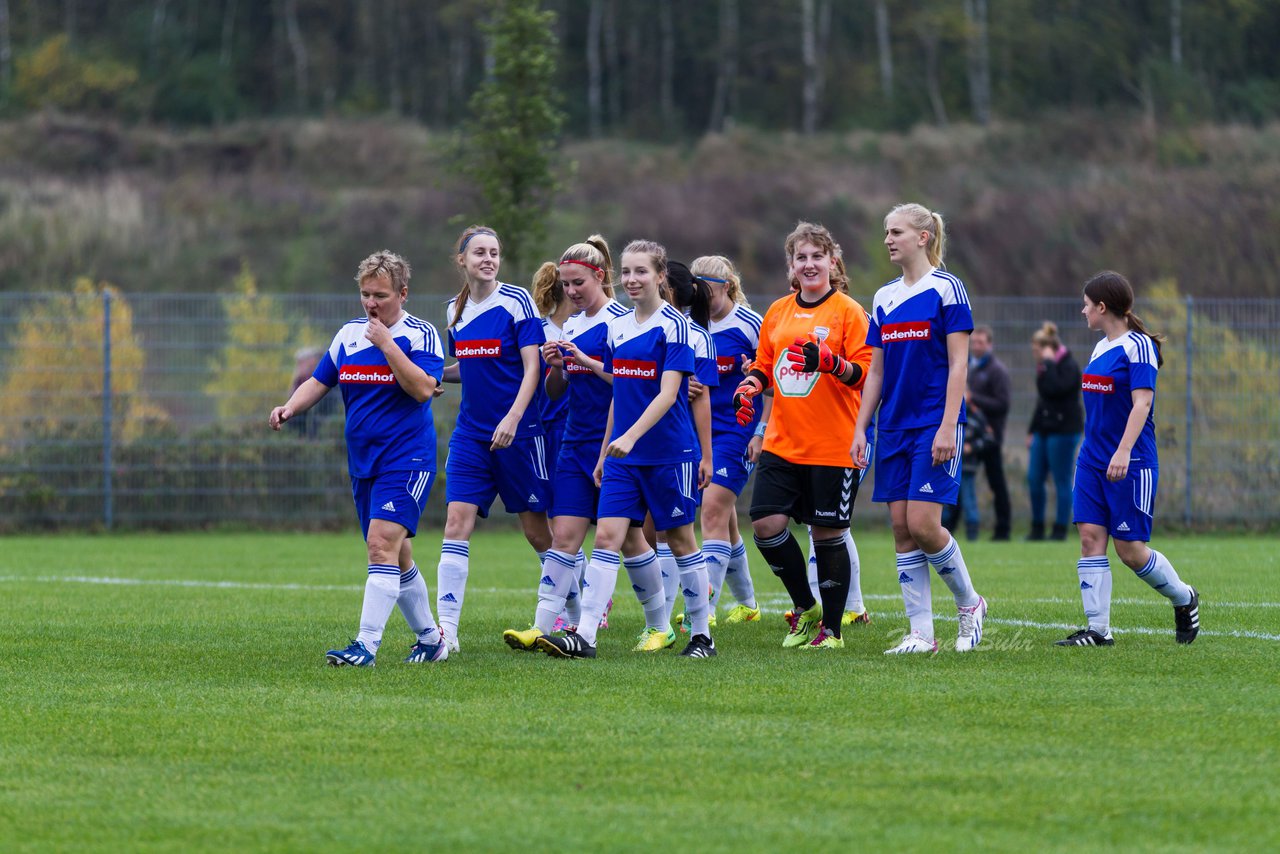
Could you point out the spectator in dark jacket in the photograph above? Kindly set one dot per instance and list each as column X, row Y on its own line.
column 1057, row 423
column 978, row 440
column 989, row 390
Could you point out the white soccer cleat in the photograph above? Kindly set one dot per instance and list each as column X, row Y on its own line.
column 450, row 641
column 914, row 642
column 971, row 625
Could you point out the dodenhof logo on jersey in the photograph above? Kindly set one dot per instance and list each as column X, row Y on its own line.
column 726, row 365
column 792, row 383
column 489, row 348
column 366, row 375
column 894, row 333
column 572, row 367
column 635, row 369
column 1098, row 384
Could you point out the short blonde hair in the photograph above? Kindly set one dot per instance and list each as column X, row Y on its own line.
column 385, row 263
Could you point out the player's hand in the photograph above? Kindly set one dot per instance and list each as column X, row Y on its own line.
column 859, row 451
column 598, row 474
column 807, row 356
column 620, row 446
column 438, row 390
column 742, row 399
column 944, row 444
column 279, row 415
column 747, row 364
column 552, row 354
column 378, row 334
column 704, row 472
column 695, row 389
column 505, row 433
column 1118, row 468
column 754, row 447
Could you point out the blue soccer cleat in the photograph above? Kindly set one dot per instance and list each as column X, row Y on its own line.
column 423, row 653
column 355, row 655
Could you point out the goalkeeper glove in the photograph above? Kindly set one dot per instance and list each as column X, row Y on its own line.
column 742, row 399
column 814, row 355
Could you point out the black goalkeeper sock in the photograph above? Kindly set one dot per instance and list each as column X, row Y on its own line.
column 785, row 558
column 834, row 574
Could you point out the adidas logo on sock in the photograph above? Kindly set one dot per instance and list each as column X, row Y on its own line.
column 448, row 597
column 903, row 578
column 1123, row 526
column 546, row 579
column 677, row 513
column 927, row 489
column 687, row 593
column 389, row 506
column 722, row 472
column 637, row 588
column 1084, row 585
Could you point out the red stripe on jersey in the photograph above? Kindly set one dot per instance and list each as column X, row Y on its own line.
column 916, row 330
column 489, row 348
column 366, row 375
column 1098, row 384
column 636, row 369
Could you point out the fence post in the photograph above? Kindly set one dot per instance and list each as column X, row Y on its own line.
column 1186, row 512
column 107, row 509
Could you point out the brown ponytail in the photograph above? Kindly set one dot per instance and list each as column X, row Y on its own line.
column 1113, row 291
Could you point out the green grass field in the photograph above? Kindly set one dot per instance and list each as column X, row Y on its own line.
column 168, row 692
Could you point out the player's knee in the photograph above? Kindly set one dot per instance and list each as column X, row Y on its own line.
column 768, row 527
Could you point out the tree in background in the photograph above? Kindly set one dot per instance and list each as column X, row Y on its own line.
column 514, row 128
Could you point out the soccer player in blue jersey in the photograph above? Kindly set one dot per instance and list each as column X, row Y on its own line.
column 1118, row 470
column 577, row 374
column 387, row 365
column 648, row 460
column 498, row 447
column 920, row 325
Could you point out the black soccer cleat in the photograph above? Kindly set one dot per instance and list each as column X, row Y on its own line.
column 572, row 645
column 1086, row 637
column 1186, row 619
column 700, row 646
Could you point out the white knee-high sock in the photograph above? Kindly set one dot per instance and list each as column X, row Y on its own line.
column 1095, row 591
column 913, row 577
column 813, row 569
column 716, row 555
column 415, row 604
column 853, row 602
column 381, row 589
column 554, row 588
column 693, row 584
column 646, row 581
column 670, row 577
column 738, row 576
column 597, row 590
column 1162, row 577
column 951, row 569
column 451, row 584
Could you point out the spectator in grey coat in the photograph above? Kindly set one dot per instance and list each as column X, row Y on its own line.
column 990, row 391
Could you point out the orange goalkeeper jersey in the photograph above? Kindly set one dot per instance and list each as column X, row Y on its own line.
column 814, row 415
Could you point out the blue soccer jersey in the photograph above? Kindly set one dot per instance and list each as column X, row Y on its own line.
column 638, row 355
column 551, row 412
column 486, row 341
column 588, row 395
column 387, row 430
column 1115, row 369
column 911, row 324
column 736, row 336
column 705, row 369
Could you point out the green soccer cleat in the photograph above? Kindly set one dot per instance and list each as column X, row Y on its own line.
column 856, row 618
column 522, row 641
column 742, row 614
column 655, row 640
column 804, row 627
column 825, row 640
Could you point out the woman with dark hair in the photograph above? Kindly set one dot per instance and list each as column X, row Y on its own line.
column 1118, row 470
column 1056, row 425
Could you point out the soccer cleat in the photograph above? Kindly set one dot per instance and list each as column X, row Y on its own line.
column 856, row 618
column 913, row 642
column 524, row 641
column 1086, row 637
column 355, row 655
column 971, row 618
column 655, row 640
column 560, row 625
column 422, row 653
column 804, row 627
column 682, row 620
column 1186, row 619
column 604, row 620
column 742, row 614
column 572, row 645
column 825, row 640
column 700, row 646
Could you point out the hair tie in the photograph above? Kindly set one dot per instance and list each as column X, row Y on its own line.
column 463, row 247
column 581, row 263
column 717, row 281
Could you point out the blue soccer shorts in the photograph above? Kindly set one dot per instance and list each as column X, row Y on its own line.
column 729, row 465
column 575, row 492
column 1124, row 508
column 517, row 473
column 667, row 492
column 397, row 496
column 905, row 469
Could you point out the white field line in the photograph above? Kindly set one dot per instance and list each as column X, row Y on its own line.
column 774, row 600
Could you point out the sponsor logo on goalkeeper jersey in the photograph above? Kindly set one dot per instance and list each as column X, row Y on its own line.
column 1098, row 384
column 793, row 383
column 487, row 348
column 635, row 369
column 916, row 330
column 366, row 375
column 572, row 367
column 726, row 364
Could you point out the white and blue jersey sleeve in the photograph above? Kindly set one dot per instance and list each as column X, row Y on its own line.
column 638, row 355
column 1115, row 369
column 704, row 356
column 386, row 429
column 486, row 341
column 911, row 326
column 736, row 336
column 588, row 395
